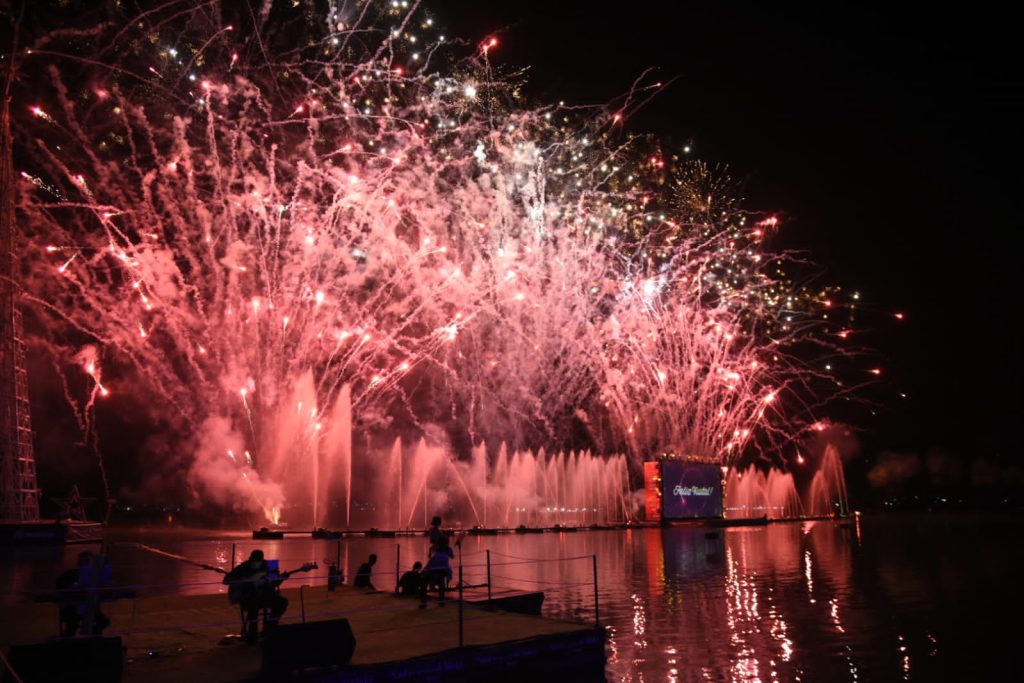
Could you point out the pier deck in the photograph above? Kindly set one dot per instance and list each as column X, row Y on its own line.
column 175, row 638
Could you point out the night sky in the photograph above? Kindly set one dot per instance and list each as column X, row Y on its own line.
column 889, row 142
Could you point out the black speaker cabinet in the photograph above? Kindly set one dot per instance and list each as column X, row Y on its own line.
column 315, row 644
column 72, row 659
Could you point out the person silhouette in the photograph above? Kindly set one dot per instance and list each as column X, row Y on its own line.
column 438, row 538
column 73, row 600
column 364, row 573
column 409, row 584
column 437, row 573
column 253, row 586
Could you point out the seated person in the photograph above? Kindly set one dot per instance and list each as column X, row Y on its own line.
column 409, row 584
column 364, row 573
column 253, row 586
column 436, row 574
column 73, row 601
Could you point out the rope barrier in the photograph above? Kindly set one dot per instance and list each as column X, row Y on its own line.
column 229, row 624
column 220, row 582
column 315, row 578
column 296, row 619
column 542, row 583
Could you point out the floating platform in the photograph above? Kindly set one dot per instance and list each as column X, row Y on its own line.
column 267, row 535
column 49, row 533
column 329, row 534
column 174, row 638
column 508, row 600
column 715, row 522
column 743, row 521
column 325, row 534
column 379, row 533
column 807, row 518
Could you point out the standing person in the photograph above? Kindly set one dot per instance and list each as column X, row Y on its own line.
column 436, row 574
column 73, row 601
column 411, row 581
column 438, row 538
column 364, row 573
column 251, row 586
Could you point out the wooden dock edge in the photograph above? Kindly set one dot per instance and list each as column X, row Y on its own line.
column 574, row 656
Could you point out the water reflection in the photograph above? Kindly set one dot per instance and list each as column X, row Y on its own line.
column 892, row 600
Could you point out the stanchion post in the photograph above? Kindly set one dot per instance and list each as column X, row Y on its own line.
column 488, row 577
column 337, row 581
column 597, row 607
column 302, row 602
column 232, row 555
column 460, row 603
column 398, row 561
column 92, row 605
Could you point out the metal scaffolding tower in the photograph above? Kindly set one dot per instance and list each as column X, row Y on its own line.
column 19, row 495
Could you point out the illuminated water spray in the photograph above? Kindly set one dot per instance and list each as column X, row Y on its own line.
column 344, row 234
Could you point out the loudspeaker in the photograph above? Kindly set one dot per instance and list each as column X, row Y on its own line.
column 70, row 659
column 291, row 647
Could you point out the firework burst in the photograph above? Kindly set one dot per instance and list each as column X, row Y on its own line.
column 235, row 214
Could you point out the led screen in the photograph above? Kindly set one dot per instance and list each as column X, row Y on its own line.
column 690, row 490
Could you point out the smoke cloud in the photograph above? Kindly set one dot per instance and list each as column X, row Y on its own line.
column 892, row 468
column 220, row 458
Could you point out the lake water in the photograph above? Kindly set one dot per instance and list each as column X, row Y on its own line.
column 920, row 598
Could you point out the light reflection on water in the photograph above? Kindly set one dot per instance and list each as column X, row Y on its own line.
column 902, row 598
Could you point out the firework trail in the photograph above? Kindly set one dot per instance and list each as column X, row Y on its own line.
column 242, row 218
